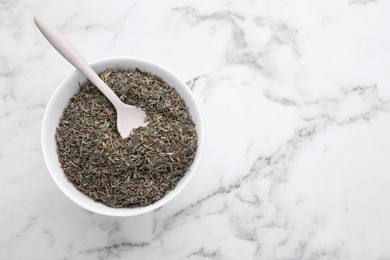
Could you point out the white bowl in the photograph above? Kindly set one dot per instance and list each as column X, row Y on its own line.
column 59, row 100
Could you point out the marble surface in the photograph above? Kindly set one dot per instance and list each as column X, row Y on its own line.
column 295, row 96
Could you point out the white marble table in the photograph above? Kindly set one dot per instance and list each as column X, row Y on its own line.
column 295, row 96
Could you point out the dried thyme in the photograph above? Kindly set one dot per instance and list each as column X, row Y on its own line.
column 132, row 172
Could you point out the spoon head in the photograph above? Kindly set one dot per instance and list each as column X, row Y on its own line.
column 129, row 118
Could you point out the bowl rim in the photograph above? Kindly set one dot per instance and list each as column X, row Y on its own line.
column 120, row 212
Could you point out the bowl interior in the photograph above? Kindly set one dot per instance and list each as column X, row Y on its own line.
column 59, row 100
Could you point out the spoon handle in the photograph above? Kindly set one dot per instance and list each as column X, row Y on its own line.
column 69, row 52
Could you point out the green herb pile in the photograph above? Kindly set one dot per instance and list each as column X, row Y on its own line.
column 132, row 172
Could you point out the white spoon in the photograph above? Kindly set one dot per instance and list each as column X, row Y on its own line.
column 128, row 117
